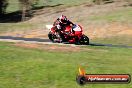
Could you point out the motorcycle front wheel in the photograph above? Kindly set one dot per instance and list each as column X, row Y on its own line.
column 84, row 40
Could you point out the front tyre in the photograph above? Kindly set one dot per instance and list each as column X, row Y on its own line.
column 84, row 40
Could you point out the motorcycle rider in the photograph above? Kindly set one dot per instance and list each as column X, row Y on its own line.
column 61, row 23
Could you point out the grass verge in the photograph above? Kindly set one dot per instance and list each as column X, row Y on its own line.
column 34, row 68
column 124, row 15
column 115, row 40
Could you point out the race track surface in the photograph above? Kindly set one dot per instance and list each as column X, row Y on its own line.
column 47, row 41
column 25, row 39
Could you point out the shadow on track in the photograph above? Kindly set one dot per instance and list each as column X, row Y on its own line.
column 110, row 45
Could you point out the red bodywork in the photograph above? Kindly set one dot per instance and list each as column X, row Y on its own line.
column 68, row 32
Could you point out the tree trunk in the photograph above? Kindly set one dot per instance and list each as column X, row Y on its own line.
column 23, row 13
column 3, row 5
column 26, row 8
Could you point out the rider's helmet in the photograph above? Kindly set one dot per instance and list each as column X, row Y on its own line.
column 63, row 19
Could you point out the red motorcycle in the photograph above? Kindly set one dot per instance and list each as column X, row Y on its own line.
column 71, row 34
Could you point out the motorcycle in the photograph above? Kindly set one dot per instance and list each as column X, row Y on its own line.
column 71, row 34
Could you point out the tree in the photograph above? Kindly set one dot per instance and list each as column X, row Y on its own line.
column 129, row 2
column 3, row 5
column 98, row 2
column 25, row 7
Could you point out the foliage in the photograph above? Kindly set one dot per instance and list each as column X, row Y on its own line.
column 3, row 6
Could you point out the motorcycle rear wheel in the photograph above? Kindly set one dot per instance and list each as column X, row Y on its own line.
column 51, row 36
column 54, row 38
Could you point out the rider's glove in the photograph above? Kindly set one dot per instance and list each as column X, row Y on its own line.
column 58, row 27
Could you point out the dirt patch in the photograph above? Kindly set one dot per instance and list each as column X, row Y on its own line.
column 124, row 32
column 27, row 45
column 38, row 33
column 47, row 47
column 108, row 30
column 56, row 48
column 65, row 48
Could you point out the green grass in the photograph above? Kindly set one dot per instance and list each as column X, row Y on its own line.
column 14, row 4
column 34, row 68
column 65, row 2
column 115, row 40
column 4, row 27
column 123, row 15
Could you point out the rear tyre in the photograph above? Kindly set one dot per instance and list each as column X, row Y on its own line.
column 54, row 38
column 51, row 36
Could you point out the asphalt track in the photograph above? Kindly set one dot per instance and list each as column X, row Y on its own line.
column 47, row 41
column 25, row 39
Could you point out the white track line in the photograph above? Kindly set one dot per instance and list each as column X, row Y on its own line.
column 47, row 43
